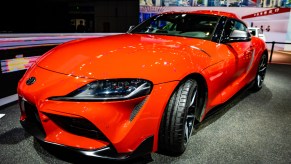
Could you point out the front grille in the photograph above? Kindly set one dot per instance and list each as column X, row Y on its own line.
column 31, row 113
column 78, row 126
column 32, row 120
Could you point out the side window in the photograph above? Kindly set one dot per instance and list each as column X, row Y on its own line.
column 239, row 26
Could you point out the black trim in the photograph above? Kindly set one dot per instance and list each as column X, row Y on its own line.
column 32, row 123
column 78, row 126
column 33, row 129
column 219, row 30
column 136, row 109
column 109, row 153
column 144, row 148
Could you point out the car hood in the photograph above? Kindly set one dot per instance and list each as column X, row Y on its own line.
column 154, row 57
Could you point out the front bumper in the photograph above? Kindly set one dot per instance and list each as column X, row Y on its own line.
column 33, row 126
column 109, row 126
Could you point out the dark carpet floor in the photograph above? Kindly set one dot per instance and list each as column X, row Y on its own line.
column 250, row 128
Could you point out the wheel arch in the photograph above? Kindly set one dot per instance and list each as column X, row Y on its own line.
column 203, row 89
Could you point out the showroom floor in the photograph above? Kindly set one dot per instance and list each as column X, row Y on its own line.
column 251, row 128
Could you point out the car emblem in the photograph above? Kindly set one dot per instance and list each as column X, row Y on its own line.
column 30, row 81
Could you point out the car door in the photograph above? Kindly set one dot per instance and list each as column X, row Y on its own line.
column 241, row 50
column 238, row 56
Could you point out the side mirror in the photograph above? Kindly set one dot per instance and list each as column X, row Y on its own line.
column 130, row 28
column 239, row 36
column 253, row 33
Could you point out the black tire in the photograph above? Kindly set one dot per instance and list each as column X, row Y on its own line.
column 261, row 72
column 178, row 119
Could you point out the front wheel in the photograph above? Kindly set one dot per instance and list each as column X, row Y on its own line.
column 178, row 119
column 261, row 72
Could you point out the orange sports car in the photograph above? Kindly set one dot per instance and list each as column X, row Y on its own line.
column 123, row 96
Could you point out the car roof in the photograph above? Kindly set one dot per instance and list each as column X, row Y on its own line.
column 208, row 12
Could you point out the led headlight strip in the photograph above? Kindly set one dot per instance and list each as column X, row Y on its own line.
column 106, row 90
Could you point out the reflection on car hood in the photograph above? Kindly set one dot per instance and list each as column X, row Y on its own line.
column 126, row 55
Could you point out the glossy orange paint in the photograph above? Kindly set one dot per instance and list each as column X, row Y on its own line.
column 143, row 54
column 112, row 118
column 163, row 60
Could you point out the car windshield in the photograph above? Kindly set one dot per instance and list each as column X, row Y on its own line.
column 186, row 25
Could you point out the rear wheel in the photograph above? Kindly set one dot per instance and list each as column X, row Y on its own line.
column 178, row 119
column 262, row 68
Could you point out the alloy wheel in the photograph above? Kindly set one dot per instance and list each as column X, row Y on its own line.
column 190, row 118
column 262, row 71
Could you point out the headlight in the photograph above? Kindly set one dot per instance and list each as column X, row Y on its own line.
column 103, row 90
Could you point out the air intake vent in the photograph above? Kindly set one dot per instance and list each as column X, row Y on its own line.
column 78, row 126
column 32, row 120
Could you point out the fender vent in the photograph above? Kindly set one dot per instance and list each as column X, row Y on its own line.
column 136, row 109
